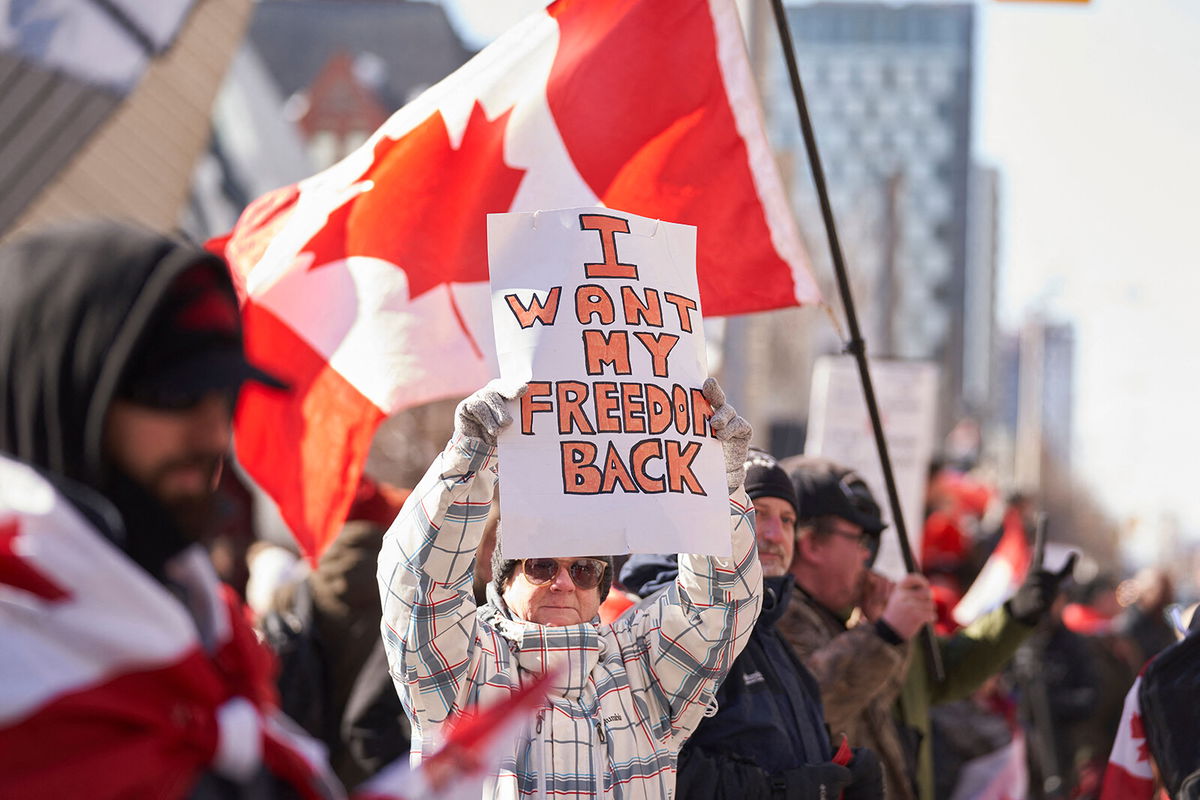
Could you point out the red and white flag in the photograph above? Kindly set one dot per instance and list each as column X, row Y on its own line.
column 105, row 682
column 1000, row 775
column 366, row 287
column 1001, row 575
column 1128, row 775
column 473, row 746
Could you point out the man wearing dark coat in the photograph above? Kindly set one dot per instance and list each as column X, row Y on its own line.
column 764, row 735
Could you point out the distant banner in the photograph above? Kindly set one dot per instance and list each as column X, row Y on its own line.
column 610, row 451
column 840, row 429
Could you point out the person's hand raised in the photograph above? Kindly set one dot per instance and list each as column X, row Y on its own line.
column 876, row 590
column 732, row 430
column 485, row 413
column 910, row 606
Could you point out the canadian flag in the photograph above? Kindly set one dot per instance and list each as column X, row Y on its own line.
column 1128, row 775
column 366, row 287
column 473, row 746
column 106, row 684
column 1001, row 575
column 1000, row 775
column 106, row 681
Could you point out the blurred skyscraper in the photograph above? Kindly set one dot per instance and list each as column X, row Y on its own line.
column 1035, row 400
column 889, row 89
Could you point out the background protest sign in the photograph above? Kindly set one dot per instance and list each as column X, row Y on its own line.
column 839, row 429
column 610, row 450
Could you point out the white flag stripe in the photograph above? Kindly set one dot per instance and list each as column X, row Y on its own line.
column 995, row 583
column 748, row 116
column 1127, row 748
column 115, row 619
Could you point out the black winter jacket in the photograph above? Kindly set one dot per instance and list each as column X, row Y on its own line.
column 768, row 717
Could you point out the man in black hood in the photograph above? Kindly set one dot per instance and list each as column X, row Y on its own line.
column 122, row 356
column 764, row 735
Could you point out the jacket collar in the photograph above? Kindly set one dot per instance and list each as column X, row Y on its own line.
column 570, row 652
column 838, row 620
column 776, row 593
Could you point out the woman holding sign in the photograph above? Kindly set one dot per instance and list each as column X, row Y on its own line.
column 624, row 697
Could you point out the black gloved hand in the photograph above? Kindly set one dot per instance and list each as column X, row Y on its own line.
column 812, row 781
column 867, row 780
column 1037, row 593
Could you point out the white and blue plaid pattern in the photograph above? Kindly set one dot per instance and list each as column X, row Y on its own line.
column 627, row 695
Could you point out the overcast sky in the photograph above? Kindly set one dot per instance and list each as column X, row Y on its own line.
column 1091, row 111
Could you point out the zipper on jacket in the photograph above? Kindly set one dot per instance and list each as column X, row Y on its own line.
column 599, row 760
column 541, row 761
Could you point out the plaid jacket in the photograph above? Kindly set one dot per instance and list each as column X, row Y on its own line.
column 628, row 694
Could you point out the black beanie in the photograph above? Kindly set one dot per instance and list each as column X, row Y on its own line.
column 503, row 568
column 765, row 478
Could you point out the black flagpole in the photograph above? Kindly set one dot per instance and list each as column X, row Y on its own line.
column 855, row 346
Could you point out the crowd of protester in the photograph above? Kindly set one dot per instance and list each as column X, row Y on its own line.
column 790, row 669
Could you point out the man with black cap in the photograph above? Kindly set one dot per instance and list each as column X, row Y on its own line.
column 766, row 736
column 125, row 668
column 623, row 697
column 852, row 628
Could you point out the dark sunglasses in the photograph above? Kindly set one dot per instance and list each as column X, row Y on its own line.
column 585, row 572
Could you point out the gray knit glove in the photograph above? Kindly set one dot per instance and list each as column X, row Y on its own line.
column 485, row 413
column 733, row 431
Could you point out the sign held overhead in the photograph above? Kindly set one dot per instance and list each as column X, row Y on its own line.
column 599, row 312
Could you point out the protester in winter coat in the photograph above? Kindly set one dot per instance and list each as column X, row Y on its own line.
column 1061, row 661
column 1112, row 659
column 969, row 734
column 626, row 696
column 1164, row 703
column 125, row 671
column 325, row 632
column 874, row 682
column 767, row 737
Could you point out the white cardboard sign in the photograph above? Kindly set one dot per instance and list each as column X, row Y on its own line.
column 840, row 429
column 610, row 450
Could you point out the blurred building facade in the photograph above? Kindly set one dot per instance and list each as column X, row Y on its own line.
column 1036, row 399
column 889, row 89
column 104, row 110
column 312, row 81
column 346, row 65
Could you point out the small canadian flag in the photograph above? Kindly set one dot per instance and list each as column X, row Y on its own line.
column 1129, row 775
column 366, row 286
column 1001, row 575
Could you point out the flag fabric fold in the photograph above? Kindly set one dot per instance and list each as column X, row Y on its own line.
column 1001, row 575
column 366, row 285
column 473, row 746
column 1002, row 775
column 106, row 681
column 1128, row 775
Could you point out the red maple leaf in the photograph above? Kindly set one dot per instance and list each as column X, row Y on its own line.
column 16, row 571
column 1137, row 731
column 427, row 209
